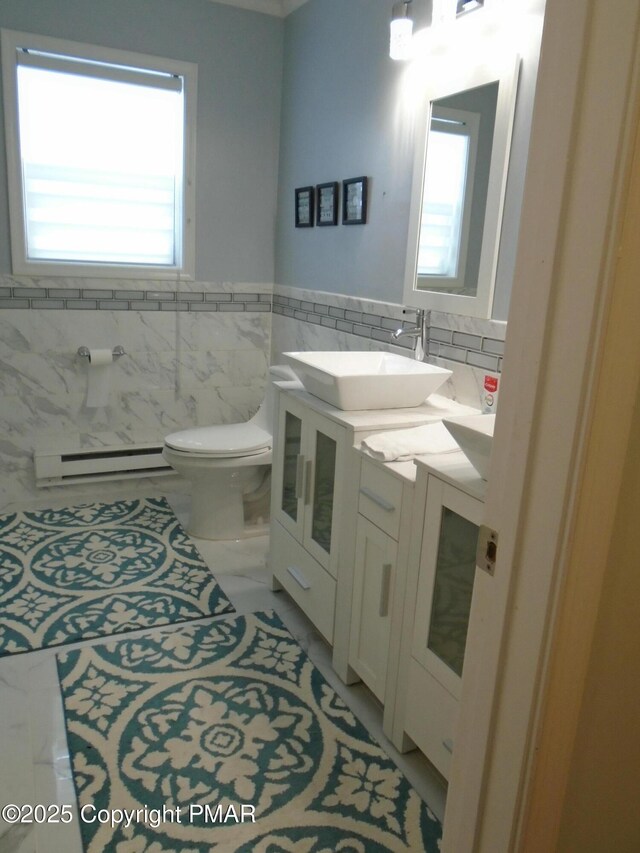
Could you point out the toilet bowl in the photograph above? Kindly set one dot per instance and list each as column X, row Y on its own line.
column 226, row 464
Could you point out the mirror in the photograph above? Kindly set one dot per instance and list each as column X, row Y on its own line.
column 460, row 173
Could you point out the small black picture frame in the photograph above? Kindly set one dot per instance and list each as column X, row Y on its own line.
column 354, row 201
column 327, row 203
column 305, row 207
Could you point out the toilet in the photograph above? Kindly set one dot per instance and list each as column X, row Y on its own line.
column 227, row 465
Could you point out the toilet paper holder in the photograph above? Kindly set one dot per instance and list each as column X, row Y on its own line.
column 117, row 351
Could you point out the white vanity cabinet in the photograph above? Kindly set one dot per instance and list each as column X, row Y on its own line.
column 380, row 557
column 384, row 507
column 438, row 599
column 315, row 505
column 309, row 454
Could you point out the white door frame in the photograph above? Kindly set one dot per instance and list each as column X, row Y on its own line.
column 580, row 148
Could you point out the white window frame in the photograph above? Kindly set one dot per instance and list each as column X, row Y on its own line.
column 11, row 42
column 458, row 123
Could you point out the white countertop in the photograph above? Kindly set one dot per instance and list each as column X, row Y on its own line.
column 452, row 467
column 434, row 408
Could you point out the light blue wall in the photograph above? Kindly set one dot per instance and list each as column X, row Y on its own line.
column 239, row 58
column 346, row 111
column 341, row 118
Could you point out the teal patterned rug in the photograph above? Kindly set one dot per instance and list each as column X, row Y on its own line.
column 225, row 737
column 98, row 569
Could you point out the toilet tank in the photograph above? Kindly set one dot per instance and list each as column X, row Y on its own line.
column 264, row 416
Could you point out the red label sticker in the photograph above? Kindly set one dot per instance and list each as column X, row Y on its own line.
column 491, row 384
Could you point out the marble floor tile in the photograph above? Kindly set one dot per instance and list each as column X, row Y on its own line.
column 34, row 765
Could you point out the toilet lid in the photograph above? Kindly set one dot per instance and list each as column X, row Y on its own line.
column 224, row 440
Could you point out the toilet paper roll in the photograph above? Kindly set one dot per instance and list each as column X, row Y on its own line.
column 100, row 362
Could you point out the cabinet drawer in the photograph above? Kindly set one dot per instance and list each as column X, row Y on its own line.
column 431, row 717
column 310, row 586
column 380, row 497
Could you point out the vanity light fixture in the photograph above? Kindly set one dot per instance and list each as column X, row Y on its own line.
column 464, row 6
column 445, row 12
column 401, row 31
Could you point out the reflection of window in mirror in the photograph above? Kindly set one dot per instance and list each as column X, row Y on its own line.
column 456, row 181
column 446, row 204
column 457, row 197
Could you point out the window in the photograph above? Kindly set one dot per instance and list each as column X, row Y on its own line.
column 100, row 148
column 443, row 204
column 447, row 197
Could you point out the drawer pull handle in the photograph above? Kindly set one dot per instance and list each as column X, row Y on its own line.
column 299, row 475
column 384, row 504
column 298, row 577
column 385, row 587
column 448, row 744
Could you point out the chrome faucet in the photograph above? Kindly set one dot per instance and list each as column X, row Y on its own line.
column 420, row 332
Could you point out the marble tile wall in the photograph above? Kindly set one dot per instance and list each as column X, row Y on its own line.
column 196, row 353
column 470, row 347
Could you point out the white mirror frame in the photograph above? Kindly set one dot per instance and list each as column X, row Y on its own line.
column 443, row 81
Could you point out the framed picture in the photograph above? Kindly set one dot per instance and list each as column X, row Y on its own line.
column 304, row 207
column 354, row 201
column 327, row 203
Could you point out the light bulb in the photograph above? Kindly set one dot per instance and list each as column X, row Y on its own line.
column 400, row 43
column 401, row 32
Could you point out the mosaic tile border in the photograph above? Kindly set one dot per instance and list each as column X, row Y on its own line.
column 106, row 299
column 476, row 350
column 377, row 327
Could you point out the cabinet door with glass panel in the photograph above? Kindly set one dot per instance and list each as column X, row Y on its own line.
column 309, row 452
column 445, row 583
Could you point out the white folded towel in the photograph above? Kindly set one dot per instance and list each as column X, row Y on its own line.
column 403, row 444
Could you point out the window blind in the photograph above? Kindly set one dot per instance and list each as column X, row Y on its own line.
column 443, row 204
column 101, row 153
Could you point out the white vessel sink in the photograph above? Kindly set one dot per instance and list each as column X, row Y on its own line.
column 366, row 380
column 474, row 434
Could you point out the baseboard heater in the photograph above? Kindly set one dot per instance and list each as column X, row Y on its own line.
column 54, row 468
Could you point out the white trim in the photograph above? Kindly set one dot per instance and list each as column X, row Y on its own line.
column 277, row 8
column 10, row 41
column 118, row 73
column 442, row 80
column 463, row 123
column 289, row 6
column 16, row 38
column 561, row 284
column 599, row 549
